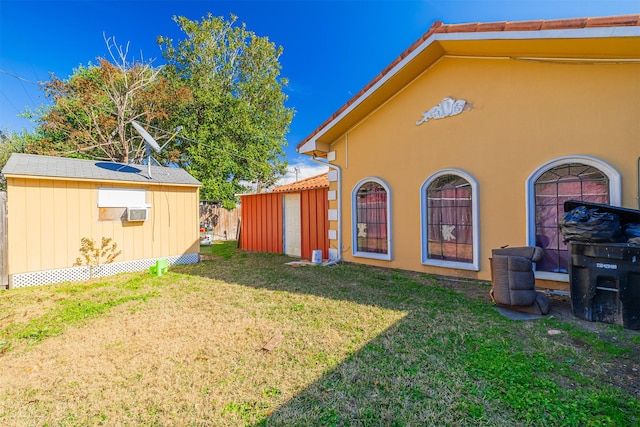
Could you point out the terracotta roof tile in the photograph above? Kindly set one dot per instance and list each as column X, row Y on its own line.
column 437, row 27
column 462, row 28
column 535, row 25
column 562, row 24
column 314, row 182
column 491, row 26
column 610, row 21
column 523, row 26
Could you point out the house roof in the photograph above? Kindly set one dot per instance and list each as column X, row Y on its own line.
column 563, row 38
column 31, row 165
column 314, row 182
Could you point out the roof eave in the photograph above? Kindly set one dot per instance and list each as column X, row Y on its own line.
column 102, row 180
column 314, row 147
column 319, row 141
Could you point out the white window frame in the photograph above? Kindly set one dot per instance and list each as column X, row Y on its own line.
column 424, row 226
column 354, row 219
column 615, row 198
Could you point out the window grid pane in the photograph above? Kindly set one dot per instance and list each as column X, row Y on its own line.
column 573, row 181
column 371, row 218
column 450, row 219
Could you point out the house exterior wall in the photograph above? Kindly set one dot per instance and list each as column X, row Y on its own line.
column 262, row 222
column 47, row 218
column 520, row 115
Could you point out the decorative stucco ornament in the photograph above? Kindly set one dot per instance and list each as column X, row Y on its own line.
column 448, row 107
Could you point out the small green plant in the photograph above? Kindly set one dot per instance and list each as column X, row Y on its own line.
column 94, row 256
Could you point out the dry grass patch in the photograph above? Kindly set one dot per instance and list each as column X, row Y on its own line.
column 359, row 346
column 190, row 354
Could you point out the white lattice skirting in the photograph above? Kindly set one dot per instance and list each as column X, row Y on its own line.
column 77, row 274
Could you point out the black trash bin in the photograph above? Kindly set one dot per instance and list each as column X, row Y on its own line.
column 605, row 277
column 605, row 282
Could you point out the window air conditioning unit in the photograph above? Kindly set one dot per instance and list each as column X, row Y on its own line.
column 137, row 214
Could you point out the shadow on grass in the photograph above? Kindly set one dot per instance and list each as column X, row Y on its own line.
column 451, row 360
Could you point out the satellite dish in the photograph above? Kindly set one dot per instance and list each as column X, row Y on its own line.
column 147, row 138
column 150, row 144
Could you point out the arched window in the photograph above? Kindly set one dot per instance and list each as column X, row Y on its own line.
column 571, row 178
column 371, row 224
column 449, row 217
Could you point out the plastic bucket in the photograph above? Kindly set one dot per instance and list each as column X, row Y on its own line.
column 316, row 256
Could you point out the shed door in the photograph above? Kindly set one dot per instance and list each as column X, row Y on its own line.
column 292, row 224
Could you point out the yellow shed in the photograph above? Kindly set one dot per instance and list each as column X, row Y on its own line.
column 473, row 138
column 151, row 213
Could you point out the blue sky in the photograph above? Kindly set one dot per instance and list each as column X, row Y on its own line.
column 332, row 48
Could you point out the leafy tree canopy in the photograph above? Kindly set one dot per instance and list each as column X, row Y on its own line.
column 92, row 110
column 11, row 142
column 235, row 126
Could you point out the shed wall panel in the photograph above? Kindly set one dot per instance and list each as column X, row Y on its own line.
column 264, row 224
column 48, row 218
column 242, row 236
column 272, row 232
column 261, row 222
column 47, row 246
column 314, row 222
column 277, row 213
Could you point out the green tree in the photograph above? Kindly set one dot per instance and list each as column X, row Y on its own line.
column 12, row 142
column 9, row 143
column 235, row 126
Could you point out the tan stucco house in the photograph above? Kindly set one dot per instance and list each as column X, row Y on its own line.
column 473, row 138
column 52, row 203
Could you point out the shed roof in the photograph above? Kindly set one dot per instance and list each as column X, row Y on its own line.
column 460, row 39
column 31, row 165
column 311, row 183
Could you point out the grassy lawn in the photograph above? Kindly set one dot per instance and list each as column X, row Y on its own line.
column 243, row 339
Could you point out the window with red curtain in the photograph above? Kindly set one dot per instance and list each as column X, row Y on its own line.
column 371, row 218
column 571, row 181
column 450, row 219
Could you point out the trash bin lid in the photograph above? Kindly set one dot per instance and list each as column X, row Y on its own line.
column 626, row 215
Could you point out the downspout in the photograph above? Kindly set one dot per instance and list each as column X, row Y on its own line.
column 339, row 197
